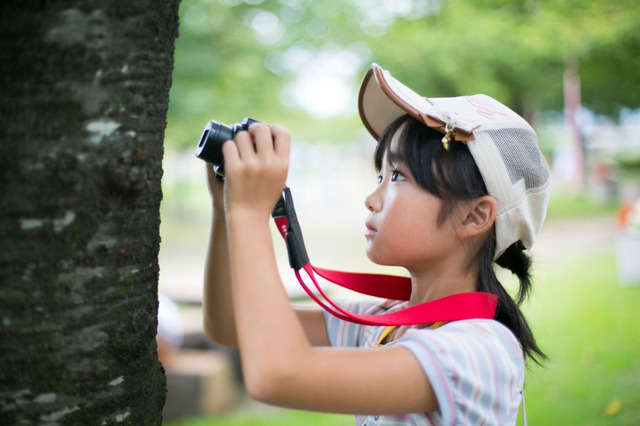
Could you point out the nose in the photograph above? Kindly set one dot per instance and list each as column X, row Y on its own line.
column 373, row 201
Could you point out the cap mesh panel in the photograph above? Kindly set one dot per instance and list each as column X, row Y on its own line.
column 525, row 161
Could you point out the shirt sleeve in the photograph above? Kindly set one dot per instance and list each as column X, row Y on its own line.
column 347, row 334
column 475, row 367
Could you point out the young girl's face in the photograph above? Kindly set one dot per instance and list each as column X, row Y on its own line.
column 402, row 227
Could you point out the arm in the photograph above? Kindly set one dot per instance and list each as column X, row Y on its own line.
column 218, row 313
column 218, row 323
column 280, row 365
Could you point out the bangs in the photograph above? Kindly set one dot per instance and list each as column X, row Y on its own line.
column 449, row 175
column 418, row 146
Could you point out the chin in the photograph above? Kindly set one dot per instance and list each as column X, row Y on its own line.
column 378, row 259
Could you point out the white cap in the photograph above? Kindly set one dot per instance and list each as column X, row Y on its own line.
column 503, row 145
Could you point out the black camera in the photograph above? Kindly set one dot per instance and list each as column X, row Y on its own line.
column 213, row 137
column 209, row 149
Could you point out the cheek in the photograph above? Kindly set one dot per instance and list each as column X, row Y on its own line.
column 401, row 235
column 415, row 231
column 412, row 221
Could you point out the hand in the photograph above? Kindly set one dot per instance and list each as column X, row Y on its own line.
column 256, row 167
column 216, row 188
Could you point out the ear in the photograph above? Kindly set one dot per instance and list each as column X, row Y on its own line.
column 478, row 217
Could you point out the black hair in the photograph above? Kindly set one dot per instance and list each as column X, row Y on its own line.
column 453, row 177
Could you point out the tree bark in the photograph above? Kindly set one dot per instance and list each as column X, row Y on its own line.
column 84, row 89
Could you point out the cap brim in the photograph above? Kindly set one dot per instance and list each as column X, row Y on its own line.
column 382, row 99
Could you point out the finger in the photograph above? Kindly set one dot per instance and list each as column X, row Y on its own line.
column 262, row 139
column 244, row 143
column 231, row 154
column 281, row 141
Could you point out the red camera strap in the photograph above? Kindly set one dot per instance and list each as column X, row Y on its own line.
column 472, row 305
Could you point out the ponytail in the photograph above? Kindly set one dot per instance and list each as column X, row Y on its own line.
column 516, row 260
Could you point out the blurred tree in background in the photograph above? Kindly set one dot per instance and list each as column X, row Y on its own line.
column 299, row 62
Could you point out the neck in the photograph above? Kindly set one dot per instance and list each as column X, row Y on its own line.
column 431, row 285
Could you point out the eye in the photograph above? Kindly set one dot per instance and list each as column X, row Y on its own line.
column 397, row 176
column 379, row 178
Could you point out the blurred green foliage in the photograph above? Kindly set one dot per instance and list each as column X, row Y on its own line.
column 239, row 58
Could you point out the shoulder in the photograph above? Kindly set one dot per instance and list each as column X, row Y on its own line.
column 474, row 366
column 343, row 333
column 470, row 342
column 478, row 334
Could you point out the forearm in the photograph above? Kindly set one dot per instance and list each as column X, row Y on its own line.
column 218, row 316
column 270, row 335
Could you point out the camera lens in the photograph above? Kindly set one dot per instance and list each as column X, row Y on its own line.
column 213, row 137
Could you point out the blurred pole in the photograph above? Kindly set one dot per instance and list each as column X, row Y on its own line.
column 576, row 151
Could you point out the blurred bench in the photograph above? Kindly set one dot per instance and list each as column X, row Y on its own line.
column 199, row 383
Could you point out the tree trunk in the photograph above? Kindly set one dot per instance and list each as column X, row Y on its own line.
column 84, row 91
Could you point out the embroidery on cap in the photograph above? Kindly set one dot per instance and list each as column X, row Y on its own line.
column 450, row 131
column 485, row 108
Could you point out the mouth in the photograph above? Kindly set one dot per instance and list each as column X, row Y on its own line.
column 370, row 231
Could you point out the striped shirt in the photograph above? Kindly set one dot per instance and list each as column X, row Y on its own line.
column 475, row 367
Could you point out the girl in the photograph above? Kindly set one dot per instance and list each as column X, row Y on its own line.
column 462, row 185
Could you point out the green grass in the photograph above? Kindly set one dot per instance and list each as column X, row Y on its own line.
column 589, row 325
column 586, row 322
column 565, row 206
column 279, row 417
